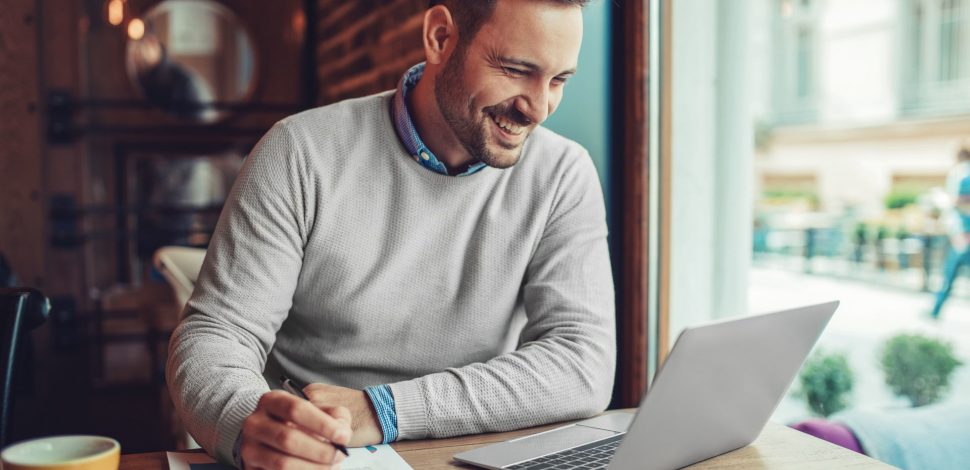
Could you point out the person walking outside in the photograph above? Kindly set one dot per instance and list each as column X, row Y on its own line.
column 958, row 225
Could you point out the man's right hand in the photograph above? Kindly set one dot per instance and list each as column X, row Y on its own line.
column 287, row 432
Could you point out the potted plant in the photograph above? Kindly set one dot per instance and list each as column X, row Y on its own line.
column 918, row 368
column 825, row 380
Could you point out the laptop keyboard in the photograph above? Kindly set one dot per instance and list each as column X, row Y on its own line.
column 590, row 456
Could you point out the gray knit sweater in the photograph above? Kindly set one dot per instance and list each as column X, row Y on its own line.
column 485, row 302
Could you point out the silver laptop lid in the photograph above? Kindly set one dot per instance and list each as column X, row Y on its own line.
column 718, row 387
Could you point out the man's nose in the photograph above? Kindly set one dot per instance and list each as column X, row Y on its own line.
column 534, row 103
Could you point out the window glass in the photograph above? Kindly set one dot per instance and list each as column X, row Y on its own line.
column 815, row 149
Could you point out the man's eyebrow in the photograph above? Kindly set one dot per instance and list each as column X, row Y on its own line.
column 532, row 66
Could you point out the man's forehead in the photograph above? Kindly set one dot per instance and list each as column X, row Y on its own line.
column 542, row 33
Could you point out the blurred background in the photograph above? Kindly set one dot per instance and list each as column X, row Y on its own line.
column 808, row 145
column 820, row 134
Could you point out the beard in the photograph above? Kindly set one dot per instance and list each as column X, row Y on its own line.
column 454, row 102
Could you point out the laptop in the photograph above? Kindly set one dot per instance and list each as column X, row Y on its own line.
column 715, row 392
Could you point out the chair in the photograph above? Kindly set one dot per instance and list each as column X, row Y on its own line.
column 180, row 265
column 21, row 310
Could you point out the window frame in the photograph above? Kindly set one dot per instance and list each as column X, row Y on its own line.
column 641, row 101
column 923, row 92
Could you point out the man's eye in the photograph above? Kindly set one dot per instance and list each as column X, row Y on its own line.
column 560, row 80
column 514, row 71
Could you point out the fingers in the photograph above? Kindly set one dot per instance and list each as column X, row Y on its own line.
column 286, row 439
column 262, row 457
column 287, row 432
column 287, row 408
column 340, row 413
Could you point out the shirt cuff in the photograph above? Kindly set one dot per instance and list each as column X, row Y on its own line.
column 236, row 458
column 383, row 401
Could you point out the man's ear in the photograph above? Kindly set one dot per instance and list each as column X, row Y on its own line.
column 440, row 34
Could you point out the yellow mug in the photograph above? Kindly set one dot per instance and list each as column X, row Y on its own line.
column 63, row 453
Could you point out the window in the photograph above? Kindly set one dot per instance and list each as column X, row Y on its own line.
column 765, row 215
column 795, row 61
column 936, row 73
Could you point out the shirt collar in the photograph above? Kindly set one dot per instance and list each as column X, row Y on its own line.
column 406, row 131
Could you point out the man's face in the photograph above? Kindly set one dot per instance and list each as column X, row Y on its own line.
column 496, row 89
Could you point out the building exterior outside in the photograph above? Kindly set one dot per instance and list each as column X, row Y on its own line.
column 857, row 99
column 794, row 119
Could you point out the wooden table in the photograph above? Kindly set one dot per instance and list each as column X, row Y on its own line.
column 778, row 447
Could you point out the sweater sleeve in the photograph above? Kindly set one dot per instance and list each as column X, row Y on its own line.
column 564, row 366
column 243, row 294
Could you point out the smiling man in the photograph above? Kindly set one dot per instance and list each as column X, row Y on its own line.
column 429, row 259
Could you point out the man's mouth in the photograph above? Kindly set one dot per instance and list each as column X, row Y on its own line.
column 506, row 125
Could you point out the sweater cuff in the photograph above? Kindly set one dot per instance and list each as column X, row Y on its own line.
column 383, row 401
column 412, row 415
column 229, row 429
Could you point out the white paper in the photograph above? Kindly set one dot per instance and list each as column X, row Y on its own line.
column 193, row 461
column 380, row 457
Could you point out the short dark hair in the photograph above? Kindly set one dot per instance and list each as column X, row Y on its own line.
column 470, row 15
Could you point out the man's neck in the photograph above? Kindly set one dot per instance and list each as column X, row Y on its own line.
column 432, row 128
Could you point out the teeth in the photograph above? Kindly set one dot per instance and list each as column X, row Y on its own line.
column 507, row 125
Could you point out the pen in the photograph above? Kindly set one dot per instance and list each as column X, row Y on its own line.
column 292, row 387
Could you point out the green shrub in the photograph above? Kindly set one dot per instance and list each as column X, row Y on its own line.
column 883, row 232
column 825, row 380
column 787, row 195
column 861, row 233
column 901, row 198
column 918, row 367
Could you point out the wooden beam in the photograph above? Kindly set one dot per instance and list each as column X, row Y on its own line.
column 630, row 113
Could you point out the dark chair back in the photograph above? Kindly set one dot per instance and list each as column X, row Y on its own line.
column 21, row 310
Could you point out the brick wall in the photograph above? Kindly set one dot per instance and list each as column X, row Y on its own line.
column 364, row 46
column 22, row 215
